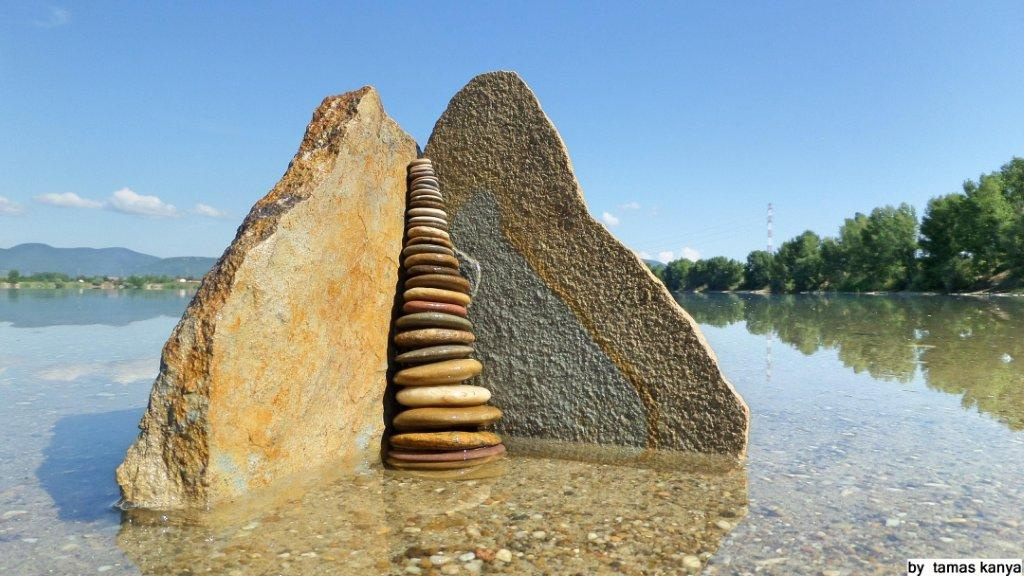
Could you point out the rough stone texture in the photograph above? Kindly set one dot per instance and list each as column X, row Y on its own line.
column 279, row 363
column 579, row 341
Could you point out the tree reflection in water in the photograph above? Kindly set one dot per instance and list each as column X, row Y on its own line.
column 972, row 347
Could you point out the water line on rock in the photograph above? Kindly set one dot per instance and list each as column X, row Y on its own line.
column 477, row 268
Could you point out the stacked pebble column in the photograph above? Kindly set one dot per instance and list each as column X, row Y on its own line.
column 439, row 427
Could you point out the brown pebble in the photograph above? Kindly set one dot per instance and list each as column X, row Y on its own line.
column 434, row 241
column 431, row 259
column 447, row 282
column 434, row 353
column 428, row 269
column 435, row 373
column 425, row 248
column 441, row 418
column 437, row 295
column 424, row 306
column 427, row 203
column 432, row 320
column 453, row 440
column 432, row 337
column 406, row 465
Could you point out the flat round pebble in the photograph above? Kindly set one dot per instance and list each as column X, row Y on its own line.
column 425, row 306
column 431, row 269
column 414, row 212
column 426, row 240
column 426, row 249
column 437, row 295
column 451, row 440
column 432, row 337
column 407, row 465
column 447, row 456
column 433, row 320
column 443, row 372
column 431, row 259
column 434, row 353
column 444, row 281
column 441, row 418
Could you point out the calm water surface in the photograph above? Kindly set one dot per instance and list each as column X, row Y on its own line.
column 882, row 428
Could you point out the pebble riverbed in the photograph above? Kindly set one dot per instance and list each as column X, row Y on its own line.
column 860, row 457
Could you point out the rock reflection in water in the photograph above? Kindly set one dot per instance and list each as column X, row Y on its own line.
column 618, row 512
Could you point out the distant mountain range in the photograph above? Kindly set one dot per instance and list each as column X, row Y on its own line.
column 33, row 258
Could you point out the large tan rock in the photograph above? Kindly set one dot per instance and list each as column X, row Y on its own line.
column 579, row 341
column 279, row 363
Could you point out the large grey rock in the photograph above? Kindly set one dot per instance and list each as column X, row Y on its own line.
column 580, row 342
column 279, row 363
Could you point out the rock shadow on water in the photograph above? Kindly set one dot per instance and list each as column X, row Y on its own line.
column 618, row 511
column 78, row 463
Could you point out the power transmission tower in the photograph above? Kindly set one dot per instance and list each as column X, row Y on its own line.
column 770, row 247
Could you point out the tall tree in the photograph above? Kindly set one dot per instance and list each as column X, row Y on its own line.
column 987, row 219
column 798, row 264
column 718, row 273
column 889, row 242
column 844, row 258
column 675, row 272
column 757, row 273
column 942, row 261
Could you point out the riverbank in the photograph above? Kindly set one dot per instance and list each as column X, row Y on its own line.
column 108, row 285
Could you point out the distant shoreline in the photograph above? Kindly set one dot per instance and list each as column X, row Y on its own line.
column 83, row 286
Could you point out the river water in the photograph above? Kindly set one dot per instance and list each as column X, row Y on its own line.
column 883, row 428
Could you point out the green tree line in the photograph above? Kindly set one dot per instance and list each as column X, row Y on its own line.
column 60, row 280
column 973, row 239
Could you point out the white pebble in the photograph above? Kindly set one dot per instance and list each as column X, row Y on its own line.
column 691, row 562
column 503, row 555
column 539, row 534
column 439, row 559
column 467, row 557
column 475, row 566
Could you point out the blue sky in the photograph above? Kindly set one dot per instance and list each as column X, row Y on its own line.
column 156, row 126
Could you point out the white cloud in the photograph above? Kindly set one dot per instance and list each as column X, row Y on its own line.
column 689, row 253
column 630, row 206
column 130, row 371
column 123, row 372
column 69, row 372
column 127, row 201
column 609, row 219
column 10, row 207
column 67, row 200
column 665, row 256
column 644, row 255
column 209, row 211
column 55, row 18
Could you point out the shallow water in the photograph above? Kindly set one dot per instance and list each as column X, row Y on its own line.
column 883, row 428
